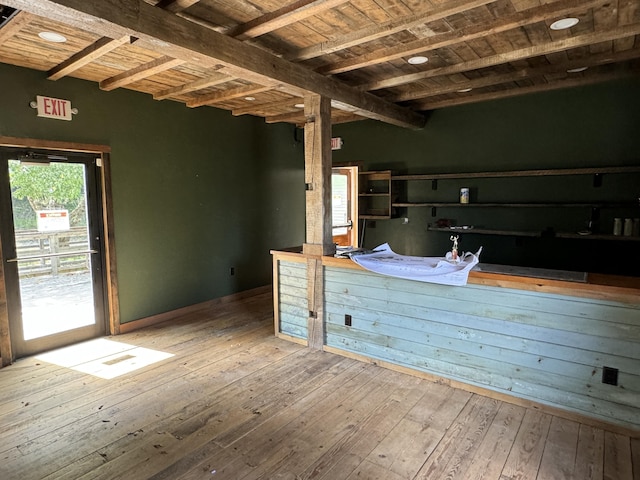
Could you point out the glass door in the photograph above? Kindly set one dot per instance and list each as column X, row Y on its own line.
column 344, row 206
column 51, row 238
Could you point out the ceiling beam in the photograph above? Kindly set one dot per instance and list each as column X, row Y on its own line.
column 265, row 107
column 513, row 92
column 384, row 29
column 297, row 115
column 518, row 75
column 176, row 5
column 345, row 117
column 282, row 17
column 299, row 118
column 96, row 50
column 290, row 117
column 140, row 73
column 501, row 58
column 225, row 95
column 168, row 34
column 473, row 32
column 210, row 81
column 14, row 25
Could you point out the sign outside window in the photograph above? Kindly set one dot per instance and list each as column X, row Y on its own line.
column 53, row 220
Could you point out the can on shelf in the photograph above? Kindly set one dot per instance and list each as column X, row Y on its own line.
column 617, row 226
column 464, row 195
column 627, row 229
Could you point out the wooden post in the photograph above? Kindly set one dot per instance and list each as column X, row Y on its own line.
column 317, row 158
column 54, row 248
column 6, row 354
column 112, row 299
column 319, row 241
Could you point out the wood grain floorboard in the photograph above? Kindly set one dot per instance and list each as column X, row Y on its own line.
column 235, row 402
column 491, row 455
column 590, row 454
column 635, row 453
column 457, row 448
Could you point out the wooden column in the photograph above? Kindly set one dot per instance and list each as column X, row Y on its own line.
column 317, row 153
column 6, row 354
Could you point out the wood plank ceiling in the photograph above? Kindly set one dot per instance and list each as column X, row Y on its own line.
column 260, row 57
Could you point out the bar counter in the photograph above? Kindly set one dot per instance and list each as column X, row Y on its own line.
column 540, row 342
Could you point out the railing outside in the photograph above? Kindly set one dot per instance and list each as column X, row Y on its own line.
column 32, row 243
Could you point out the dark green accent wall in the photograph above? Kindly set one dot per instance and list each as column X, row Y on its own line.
column 195, row 191
column 590, row 126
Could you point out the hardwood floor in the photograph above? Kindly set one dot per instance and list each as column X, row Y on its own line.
column 234, row 402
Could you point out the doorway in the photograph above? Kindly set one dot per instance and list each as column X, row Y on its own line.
column 52, row 243
column 344, row 206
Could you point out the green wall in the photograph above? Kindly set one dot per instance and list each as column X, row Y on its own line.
column 581, row 127
column 195, row 191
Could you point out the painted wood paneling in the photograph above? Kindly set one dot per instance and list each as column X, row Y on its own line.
column 544, row 347
column 292, row 298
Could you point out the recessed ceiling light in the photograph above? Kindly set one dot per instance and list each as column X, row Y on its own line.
column 249, row 99
column 465, row 90
column 418, row 60
column 52, row 37
column 299, row 105
column 577, row 70
column 564, row 23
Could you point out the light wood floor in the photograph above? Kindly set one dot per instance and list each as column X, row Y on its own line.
column 237, row 403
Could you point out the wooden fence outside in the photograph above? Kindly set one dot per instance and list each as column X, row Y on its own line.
column 44, row 252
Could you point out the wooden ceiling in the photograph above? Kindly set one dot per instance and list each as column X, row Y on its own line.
column 261, row 57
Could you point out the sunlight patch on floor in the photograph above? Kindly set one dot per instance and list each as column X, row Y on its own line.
column 104, row 358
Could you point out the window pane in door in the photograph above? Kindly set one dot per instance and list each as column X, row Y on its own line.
column 52, row 246
column 339, row 203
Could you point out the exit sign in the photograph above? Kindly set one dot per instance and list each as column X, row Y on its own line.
column 54, row 108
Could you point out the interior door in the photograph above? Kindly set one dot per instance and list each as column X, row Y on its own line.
column 50, row 225
column 344, row 206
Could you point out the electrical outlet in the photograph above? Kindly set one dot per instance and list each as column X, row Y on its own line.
column 610, row 376
column 232, row 271
column 347, row 320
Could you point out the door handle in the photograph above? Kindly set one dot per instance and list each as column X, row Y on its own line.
column 349, row 224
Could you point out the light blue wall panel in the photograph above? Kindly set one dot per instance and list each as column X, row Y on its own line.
column 292, row 301
column 544, row 347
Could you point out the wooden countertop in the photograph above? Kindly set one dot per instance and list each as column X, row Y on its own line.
column 599, row 286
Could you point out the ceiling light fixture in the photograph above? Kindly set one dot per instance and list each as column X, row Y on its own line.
column 299, row 105
column 577, row 70
column 564, row 23
column 250, row 99
column 52, row 37
column 465, row 90
column 419, row 60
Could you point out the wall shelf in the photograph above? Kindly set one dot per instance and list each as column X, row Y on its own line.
column 520, row 173
column 616, row 238
column 374, row 195
column 620, row 203
column 533, row 234
column 486, row 231
column 513, row 205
